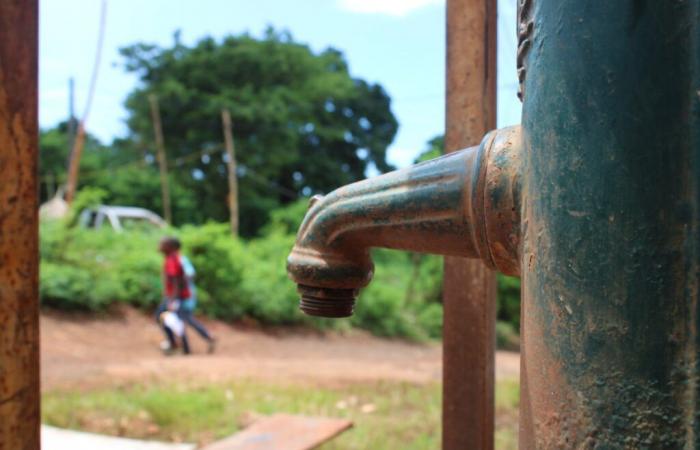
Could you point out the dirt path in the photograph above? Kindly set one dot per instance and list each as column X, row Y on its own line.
column 82, row 350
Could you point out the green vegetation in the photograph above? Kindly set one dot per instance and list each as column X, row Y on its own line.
column 387, row 415
column 87, row 269
column 302, row 124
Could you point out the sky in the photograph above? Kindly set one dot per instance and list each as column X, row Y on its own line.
column 397, row 43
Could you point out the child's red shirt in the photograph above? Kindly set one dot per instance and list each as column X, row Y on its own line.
column 175, row 282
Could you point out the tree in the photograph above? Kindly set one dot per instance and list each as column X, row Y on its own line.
column 54, row 148
column 435, row 147
column 303, row 125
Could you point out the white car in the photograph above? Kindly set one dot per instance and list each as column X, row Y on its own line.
column 120, row 218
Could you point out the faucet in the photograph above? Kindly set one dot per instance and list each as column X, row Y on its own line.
column 466, row 203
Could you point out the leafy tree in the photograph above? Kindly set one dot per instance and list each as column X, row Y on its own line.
column 116, row 169
column 302, row 124
column 435, row 147
column 54, row 149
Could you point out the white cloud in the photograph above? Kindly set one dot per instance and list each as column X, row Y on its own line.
column 389, row 7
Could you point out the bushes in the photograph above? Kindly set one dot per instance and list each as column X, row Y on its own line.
column 509, row 301
column 69, row 287
column 92, row 269
column 402, row 299
column 220, row 261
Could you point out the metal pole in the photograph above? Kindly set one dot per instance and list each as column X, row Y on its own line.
column 162, row 159
column 19, row 254
column 232, row 178
column 469, row 287
column 611, row 224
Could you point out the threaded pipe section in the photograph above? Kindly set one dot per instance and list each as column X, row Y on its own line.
column 325, row 302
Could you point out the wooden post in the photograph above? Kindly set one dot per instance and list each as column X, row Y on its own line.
column 19, row 253
column 469, row 287
column 162, row 160
column 72, row 121
column 74, row 162
column 232, row 178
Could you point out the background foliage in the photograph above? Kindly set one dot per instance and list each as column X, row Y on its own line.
column 302, row 125
column 87, row 269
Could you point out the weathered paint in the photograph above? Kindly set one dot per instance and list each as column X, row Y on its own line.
column 606, row 225
column 611, row 244
column 19, row 256
column 434, row 207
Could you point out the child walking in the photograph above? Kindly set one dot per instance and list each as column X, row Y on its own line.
column 177, row 308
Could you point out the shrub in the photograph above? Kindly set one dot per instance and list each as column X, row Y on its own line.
column 506, row 336
column 220, row 261
column 509, row 301
column 69, row 288
column 92, row 269
column 272, row 297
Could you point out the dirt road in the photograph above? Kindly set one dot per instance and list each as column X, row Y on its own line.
column 80, row 350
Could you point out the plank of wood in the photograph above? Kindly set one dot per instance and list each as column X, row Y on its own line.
column 284, row 432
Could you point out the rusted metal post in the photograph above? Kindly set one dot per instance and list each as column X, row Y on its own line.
column 231, row 165
column 19, row 255
column 469, row 287
column 611, row 224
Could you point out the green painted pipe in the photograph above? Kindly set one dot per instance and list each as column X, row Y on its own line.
column 611, row 204
column 594, row 201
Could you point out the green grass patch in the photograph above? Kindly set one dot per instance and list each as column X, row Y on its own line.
column 387, row 415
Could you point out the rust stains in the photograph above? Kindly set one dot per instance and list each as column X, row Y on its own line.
column 463, row 204
column 19, row 264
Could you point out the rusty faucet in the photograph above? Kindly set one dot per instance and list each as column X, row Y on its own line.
column 463, row 204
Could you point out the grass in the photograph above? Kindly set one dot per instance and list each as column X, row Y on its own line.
column 387, row 415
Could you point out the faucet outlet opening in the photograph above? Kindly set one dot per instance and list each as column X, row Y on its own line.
column 325, row 302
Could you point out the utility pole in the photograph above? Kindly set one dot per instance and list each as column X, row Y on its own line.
column 74, row 163
column 72, row 121
column 78, row 143
column 19, row 227
column 162, row 160
column 232, row 178
column 469, row 287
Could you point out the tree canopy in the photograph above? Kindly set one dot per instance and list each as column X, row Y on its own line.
column 302, row 123
column 435, row 148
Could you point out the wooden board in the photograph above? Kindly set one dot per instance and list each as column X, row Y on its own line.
column 284, row 432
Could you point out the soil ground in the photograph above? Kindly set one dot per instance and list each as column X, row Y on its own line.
column 123, row 347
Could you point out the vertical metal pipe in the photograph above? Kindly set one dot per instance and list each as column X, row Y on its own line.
column 611, row 211
column 469, row 287
column 19, row 256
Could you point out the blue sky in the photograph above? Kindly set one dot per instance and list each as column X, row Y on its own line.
column 398, row 43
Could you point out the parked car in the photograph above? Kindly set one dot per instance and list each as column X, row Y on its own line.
column 120, row 218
